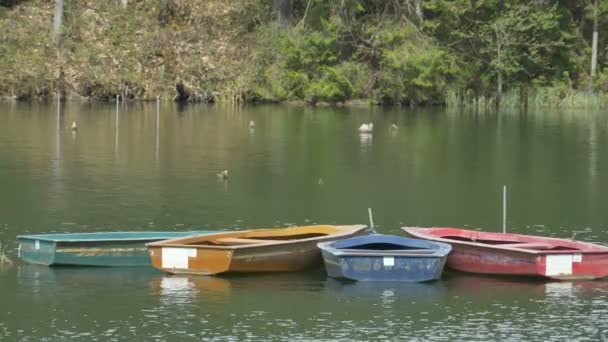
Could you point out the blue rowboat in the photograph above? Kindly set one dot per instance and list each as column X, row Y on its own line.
column 93, row 249
column 384, row 258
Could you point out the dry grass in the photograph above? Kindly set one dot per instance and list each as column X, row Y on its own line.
column 107, row 50
column 4, row 260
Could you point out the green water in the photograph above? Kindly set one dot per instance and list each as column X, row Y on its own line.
column 130, row 171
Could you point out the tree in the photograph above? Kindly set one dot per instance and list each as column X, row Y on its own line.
column 57, row 21
column 594, row 41
column 504, row 44
column 282, row 10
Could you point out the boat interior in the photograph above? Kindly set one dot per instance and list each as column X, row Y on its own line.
column 376, row 248
column 249, row 240
column 264, row 236
column 515, row 244
column 381, row 246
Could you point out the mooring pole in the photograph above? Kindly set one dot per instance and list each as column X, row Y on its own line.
column 371, row 220
column 157, row 125
column 58, row 108
column 504, row 208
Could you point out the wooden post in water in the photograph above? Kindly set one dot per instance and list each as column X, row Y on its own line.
column 371, row 220
column 58, row 109
column 504, row 208
column 157, row 124
column 116, row 131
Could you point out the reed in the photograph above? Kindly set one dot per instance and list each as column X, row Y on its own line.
column 4, row 260
column 545, row 97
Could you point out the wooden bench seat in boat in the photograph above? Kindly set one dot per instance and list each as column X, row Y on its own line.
column 240, row 241
column 530, row 245
column 388, row 251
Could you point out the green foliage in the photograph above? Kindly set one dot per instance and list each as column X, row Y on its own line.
column 359, row 75
column 331, row 86
column 458, row 51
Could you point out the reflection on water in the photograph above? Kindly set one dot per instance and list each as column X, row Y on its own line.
column 304, row 306
column 137, row 167
column 187, row 289
column 365, row 139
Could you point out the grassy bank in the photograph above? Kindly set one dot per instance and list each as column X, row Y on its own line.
column 536, row 98
column 106, row 49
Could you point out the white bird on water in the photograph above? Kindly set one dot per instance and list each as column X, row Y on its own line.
column 366, row 127
column 223, row 175
column 74, row 126
column 251, row 124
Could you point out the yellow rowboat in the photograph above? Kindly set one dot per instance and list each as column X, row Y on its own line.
column 257, row 250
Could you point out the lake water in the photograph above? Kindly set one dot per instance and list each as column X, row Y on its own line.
column 132, row 169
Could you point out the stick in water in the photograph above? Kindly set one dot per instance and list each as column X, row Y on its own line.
column 504, row 208
column 371, row 220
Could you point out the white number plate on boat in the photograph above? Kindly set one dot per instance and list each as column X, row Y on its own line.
column 388, row 261
column 177, row 257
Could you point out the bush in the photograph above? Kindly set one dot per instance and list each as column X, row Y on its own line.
column 330, row 87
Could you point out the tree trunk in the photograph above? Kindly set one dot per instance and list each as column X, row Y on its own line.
column 499, row 67
column 594, row 42
column 125, row 3
column 343, row 11
column 166, row 12
column 499, row 87
column 282, row 11
column 419, row 13
column 57, row 21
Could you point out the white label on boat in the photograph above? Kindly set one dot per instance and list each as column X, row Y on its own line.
column 559, row 265
column 577, row 258
column 177, row 257
column 37, row 244
column 388, row 261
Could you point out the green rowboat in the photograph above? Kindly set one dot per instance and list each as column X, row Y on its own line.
column 93, row 249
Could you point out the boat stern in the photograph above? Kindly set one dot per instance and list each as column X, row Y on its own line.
column 36, row 251
column 190, row 260
column 573, row 266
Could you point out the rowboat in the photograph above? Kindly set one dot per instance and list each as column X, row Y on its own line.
column 257, row 250
column 92, row 249
column 384, row 258
column 517, row 254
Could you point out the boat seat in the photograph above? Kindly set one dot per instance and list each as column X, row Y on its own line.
column 396, row 251
column 528, row 245
column 240, row 241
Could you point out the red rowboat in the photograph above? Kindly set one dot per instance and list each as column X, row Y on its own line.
column 516, row 254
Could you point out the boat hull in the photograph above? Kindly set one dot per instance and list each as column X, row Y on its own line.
column 585, row 263
column 283, row 256
column 384, row 258
column 575, row 266
column 260, row 259
column 115, row 249
column 380, row 268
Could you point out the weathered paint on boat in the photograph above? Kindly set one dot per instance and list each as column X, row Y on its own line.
column 384, row 258
column 92, row 249
column 518, row 254
column 258, row 250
